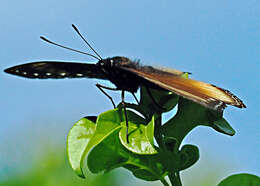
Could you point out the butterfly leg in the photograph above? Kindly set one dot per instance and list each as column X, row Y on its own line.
column 126, row 120
column 135, row 98
column 101, row 87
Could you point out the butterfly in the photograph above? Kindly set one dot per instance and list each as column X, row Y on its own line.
column 128, row 75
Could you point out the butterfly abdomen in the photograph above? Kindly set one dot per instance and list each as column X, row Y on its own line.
column 56, row 70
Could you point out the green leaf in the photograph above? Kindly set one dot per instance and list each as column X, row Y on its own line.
column 175, row 160
column 169, row 144
column 105, row 156
column 110, row 154
column 77, row 140
column 188, row 116
column 144, row 175
column 189, row 155
column 241, row 180
column 223, row 126
column 107, row 123
column 156, row 101
column 111, row 121
column 140, row 137
column 185, row 75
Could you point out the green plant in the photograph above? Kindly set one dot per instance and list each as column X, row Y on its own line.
column 99, row 143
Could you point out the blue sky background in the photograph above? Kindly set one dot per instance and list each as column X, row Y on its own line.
column 218, row 41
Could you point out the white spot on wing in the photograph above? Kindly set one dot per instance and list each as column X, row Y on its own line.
column 17, row 71
column 35, row 74
column 63, row 74
column 79, row 75
column 24, row 73
column 48, row 74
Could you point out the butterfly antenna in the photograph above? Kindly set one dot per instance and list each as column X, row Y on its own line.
column 56, row 44
column 76, row 29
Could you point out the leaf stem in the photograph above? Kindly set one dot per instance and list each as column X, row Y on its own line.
column 157, row 132
column 175, row 178
column 164, row 182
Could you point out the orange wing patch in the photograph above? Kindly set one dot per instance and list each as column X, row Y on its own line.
column 203, row 93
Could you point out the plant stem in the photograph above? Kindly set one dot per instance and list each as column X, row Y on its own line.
column 157, row 131
column 164, row 182
column 175, row 178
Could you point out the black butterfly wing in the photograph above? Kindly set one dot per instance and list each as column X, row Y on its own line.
column 56, row 70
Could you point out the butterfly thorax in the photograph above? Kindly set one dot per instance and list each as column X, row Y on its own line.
column 122, row 79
